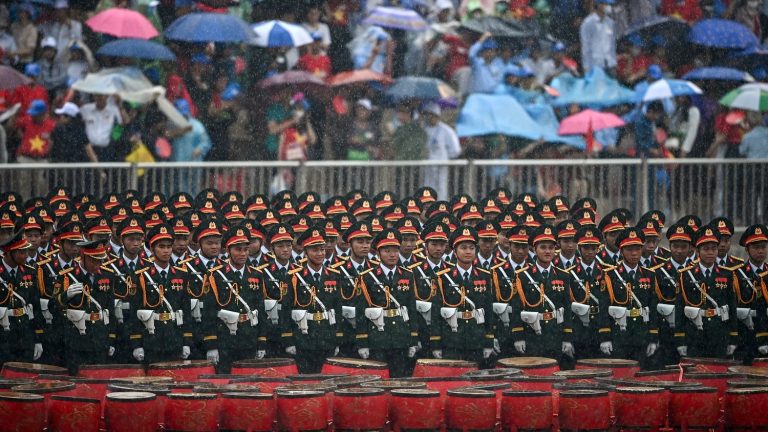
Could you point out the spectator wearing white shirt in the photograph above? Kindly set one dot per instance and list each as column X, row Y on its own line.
column 62, row 29
column 314, row 25
column 100, row 117
column 442, row 145
column 598, row 39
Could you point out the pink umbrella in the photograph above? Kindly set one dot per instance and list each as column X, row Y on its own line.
column 588, row 121
column 10, row 78
column 122, row 23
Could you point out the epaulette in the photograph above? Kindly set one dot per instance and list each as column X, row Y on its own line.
column 522, row 269
column 29, row 266
column 417, row 250
column 483, row 270
column 302, row 260
column 181, row 269
column 140, row 271
column 107, row 269
column 66, row 270
column 442, row 272
column 184, row 261
column 413, row 266
column 43, row 261
column 763, row 274
column 734, row 268
column 684, row 269
column 558, row 268
column 657, row 266
column 664, row 249
column 450, row 263
column 296, row 270
column 420, row 255
column 337, row 264
column 332, row 270
column 366, row 271
column 609, row 267
column 406, row 269
column 218, row 267
column 108, row 262
column 569, row 269
column 374, row 262
column 270, row 254
column 661, row 258
column 342, row 257
column 261, row 267
column 498, row 265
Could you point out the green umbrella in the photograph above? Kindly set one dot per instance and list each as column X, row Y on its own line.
column 750, row 97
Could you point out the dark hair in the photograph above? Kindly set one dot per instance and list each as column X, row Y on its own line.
column 656, row 107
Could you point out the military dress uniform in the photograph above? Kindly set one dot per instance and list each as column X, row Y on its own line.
column 311, row 310
column 751, row 297
column 275, row 286
column 585, row 329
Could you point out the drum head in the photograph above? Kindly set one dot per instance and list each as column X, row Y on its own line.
column 131, row 396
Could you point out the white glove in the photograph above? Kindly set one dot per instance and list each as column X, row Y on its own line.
column 568, row 349
column 761, row 349
column 138, row 354
column 111, row 351
column 487, row 352
column 74, row 290
column 730, row 350
column 683, row 350
column 364, row 353
column 212, row 356
column 260, row 354
column 291, row 350
column 438, row 354
column 520, row 346
column 185, row 352
column 651, row 350
column 336, row 351
column 37, row 352
column 496, row 346
column 418, row 346
column 411, row 352
column 606, row 347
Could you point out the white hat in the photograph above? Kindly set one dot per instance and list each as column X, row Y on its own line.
column 443, row 4
column 69, row 109
column 61, row 4
column 432, row 108
column 48, row 42
column 365, row 103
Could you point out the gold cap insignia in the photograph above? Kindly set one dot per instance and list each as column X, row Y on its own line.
column 288, row 205
column 632, row 234
column 163, row 230
column 439, row 228
column 315, row 233
column 466, row 232
column 281, row 230
column 680, row 230
column 390, row 235
column 758, row 230
column 212, row 225
column 133, row 223
column 240, row 232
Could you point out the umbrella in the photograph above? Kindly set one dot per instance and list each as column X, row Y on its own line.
column 496, row 114
column 209, row 27
column 672, row 29
column 136, row 48
column 280, row 34
column 587, row 122
column 499, row 27
column 720, row 33
column 414, row 87
column 296, row 81
column 718, row 74
column 122, row 23
column 10, row 78
column 358, row 76
column 664, row 88
column 751, row 97
column 396, row 18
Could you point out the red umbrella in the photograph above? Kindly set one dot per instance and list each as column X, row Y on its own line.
column 588, row 121
column 122, row 23
column 296, row 81
column 10, row 78
column 358, row 76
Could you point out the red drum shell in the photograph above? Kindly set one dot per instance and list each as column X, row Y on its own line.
column 469, row 408
column 573, row 415
column 109, row 371
column 535, row 382
column 29, row 370
column 131, row 412
column 712, row 379
column 192, row 412
column 529, row 410
column 184, row 370
column 26, row 411
column 350, row 366
column 530, row 365
column 360, row 408
column 326, row 389
column 415, row 409
column 254, row 412
column 222, row 378
column 47, row 389
column 621, row 368
column 273, row 367
column 712, row 365
column 495, row 387
column 640, row 407
column 694, row 407
column 301, row 410
column 74, row 414
column 442, row 368
column 95, row 388
column 267, row 384
column 745, row 408
column 760, row 362
column 228, row 388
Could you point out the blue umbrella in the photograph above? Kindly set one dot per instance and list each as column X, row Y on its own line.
column 425, row 88
column 672, row 29
column 595, row 90
column 209, row 27
column 281, row 34
column 485, row 114
column 718, row 74
column 136, row 48
column 720, row 33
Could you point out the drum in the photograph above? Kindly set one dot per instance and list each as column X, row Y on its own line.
column 442, row 368
column 658, row 375
column 25, row 411
column 301, row 410
column 143, row 380
column 621, row 368
column 312, row 378
column 266, row 384
column 273, row 367
column 530, row 365
column 760, row 362
column 111, row 371
column 584, row 410
column 325, row 388
column 74, row 414
column 694, row 407
column 30, row 370
column 184, row 370
column 470, row 409
column 535, row 382
column 359, row 409
column 751, row 372
column 7, row 384
column 52, row 377
column 492, row 375
column 95, row 388
column 745, row 408
column 350, row 366
column 253, row 412
column 527, row 410
column 747, row 383
column 228, row 388
column 221, row 379
column 415, row 409
column 713, row 365
column 584, row 375
column 351, row 380
column 498, row 388
column 640, row 407
column 161, row 393
column 47, row 390
column 712, row 379
column 185, row 386
column 192, row 412
column 131, row 412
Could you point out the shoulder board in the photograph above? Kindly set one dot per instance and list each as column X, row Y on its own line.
column 66, row 270
column 413, row 266
column 29, row 266
column 188, row 259
column 181, row 269
column 374, row 262
column 417, row 250
column 657, row 266
column 498, row 265
column 108, row 262
column 608, row 267
column 569, row 269
column 420, row 255
column 406, row 269
column 270, row 254
column 483, row 270
column 140, row 271
column 665, row 249
column 734, row 268
column 302, row 261
column 558, row 268
column 739, row 259
column 443, row 271
column 647, row 268
column 261, row 267
column 43, row 262
column 688, row 268
column 337, row 264
column 296, row 270
column 452, row 264
column 107, row 269
column 218, row 267
column 661, row 258
column 763, row 274
column 332, row 270
column 366, row 271
column 522, row 269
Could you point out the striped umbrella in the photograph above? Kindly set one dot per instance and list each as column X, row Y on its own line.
column 664, row 89
column 751, row 97
column 396, row 18
column 280, row 34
